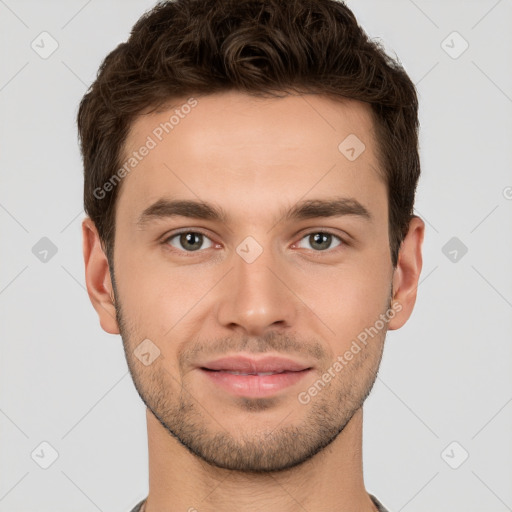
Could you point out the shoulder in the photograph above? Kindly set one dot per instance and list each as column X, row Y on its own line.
column 138, row 507
column 378, row 504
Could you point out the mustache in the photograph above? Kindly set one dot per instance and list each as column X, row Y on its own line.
column 272, row 341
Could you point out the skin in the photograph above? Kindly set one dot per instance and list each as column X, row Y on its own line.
column 256, row 158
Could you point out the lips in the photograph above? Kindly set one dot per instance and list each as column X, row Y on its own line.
column 252, row 377
column 247, row 373
column 242, row 365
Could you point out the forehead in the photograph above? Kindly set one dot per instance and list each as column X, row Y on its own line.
column 246, row 152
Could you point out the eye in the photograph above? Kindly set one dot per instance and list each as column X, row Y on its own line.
column 320, row 240
column 189, row 241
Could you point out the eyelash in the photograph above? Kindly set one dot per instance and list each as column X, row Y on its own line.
column 166, row 240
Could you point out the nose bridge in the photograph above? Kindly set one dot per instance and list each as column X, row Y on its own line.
column 254, row 296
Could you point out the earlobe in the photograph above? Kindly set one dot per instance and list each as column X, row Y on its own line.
column 407, row 273
column 97, row 277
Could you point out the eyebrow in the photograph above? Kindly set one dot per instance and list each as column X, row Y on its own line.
column 303, row 210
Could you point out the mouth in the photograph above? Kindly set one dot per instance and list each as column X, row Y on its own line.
column 232, row 372
column 256, row 378
column 252, row 365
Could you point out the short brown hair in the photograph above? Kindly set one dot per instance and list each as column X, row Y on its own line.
column 260, row 47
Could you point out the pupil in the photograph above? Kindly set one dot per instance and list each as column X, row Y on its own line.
column 317, row 239
column 322, row 239
column 187, row 237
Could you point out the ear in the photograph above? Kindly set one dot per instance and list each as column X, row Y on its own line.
column 97, row 277
column 407, row 273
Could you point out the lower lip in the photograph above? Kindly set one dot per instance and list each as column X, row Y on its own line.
column 255, row 386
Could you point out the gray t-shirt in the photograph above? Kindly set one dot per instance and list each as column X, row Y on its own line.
column 378, row 504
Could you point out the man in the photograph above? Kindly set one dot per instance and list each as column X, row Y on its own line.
column 250, row 172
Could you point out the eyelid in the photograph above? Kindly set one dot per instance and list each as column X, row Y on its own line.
column 172, row 234
column 327, row 231
column 342, row 238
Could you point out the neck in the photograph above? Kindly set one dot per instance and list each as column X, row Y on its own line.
column 331, row 480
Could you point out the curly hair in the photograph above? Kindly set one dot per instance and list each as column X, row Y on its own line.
column 262, row 48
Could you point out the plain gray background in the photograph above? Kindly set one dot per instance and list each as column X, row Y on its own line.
column 444, row 390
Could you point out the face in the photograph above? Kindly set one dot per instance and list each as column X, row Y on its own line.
column 240, row 319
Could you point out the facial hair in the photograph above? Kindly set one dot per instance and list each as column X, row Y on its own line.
column 272, row 449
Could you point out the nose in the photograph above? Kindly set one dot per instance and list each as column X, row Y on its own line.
column 257, row 296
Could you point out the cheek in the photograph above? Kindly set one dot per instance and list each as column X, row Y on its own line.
column 160, row 297
column 347, row 300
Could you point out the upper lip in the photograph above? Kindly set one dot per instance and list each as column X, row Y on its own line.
column 255, row 365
